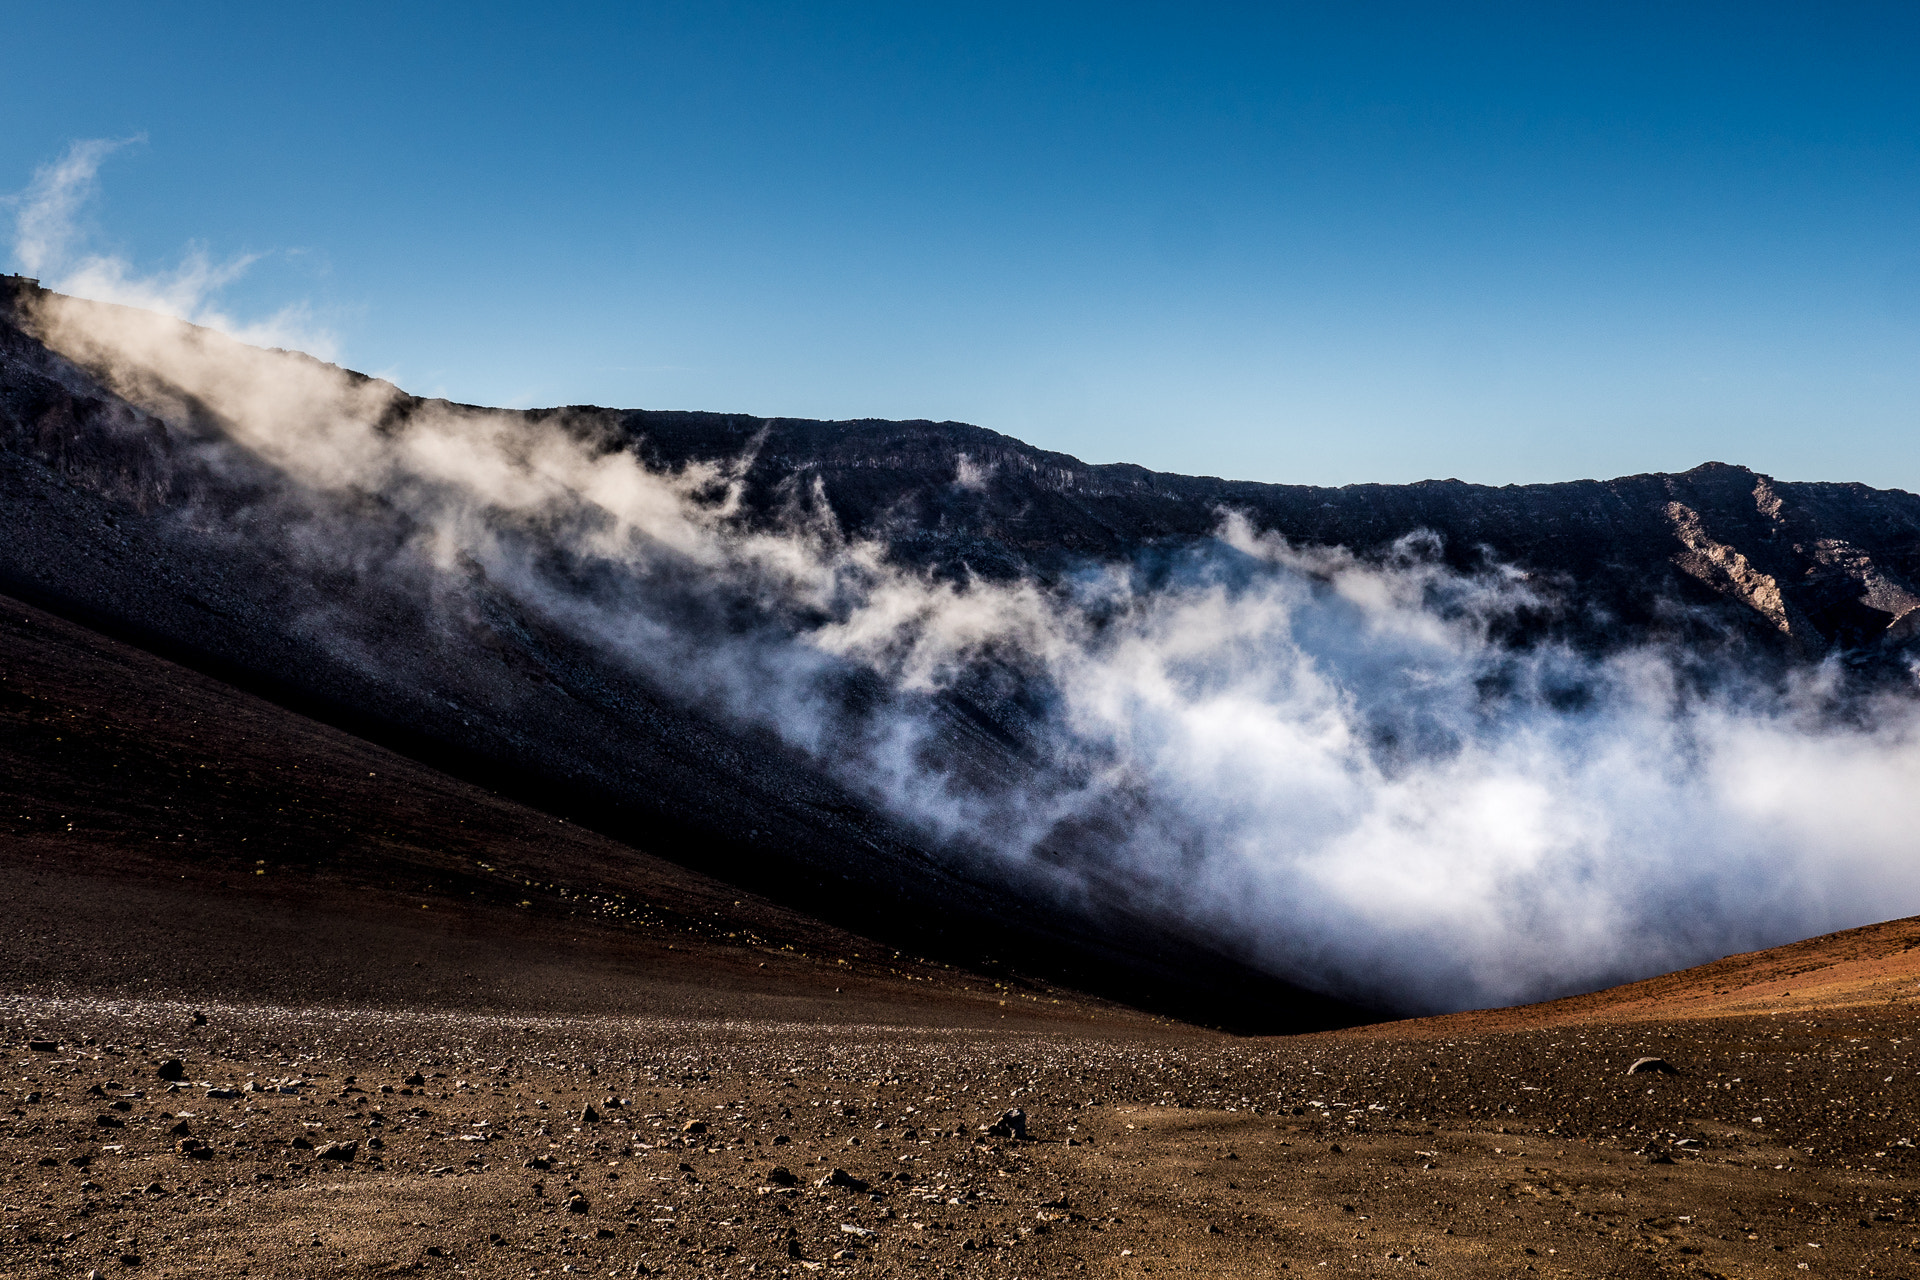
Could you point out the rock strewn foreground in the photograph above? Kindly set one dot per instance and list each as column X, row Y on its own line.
column 1784, row 1144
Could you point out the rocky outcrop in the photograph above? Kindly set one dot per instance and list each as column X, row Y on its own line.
column 1807, row 567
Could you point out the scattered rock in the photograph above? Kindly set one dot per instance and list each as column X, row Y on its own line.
column 588, row 1115
column 415, row 1079
column 781, row 1176
column 1011, row 1124
column 343, row 1151
column 181, row 1129
column 199, row 1019
column 577, row 1203
column 171, row 1069
column 694, row 1126
column 43, row 1046
column 109, row 1122
column 841, row 1178
column 1642, row 1066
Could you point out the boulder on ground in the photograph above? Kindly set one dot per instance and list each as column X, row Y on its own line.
column 1011, row 1124
column 841, row 1178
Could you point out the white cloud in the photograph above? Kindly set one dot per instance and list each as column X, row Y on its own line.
column 49, row 241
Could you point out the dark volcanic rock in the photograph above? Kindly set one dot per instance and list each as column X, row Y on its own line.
column 841, row 1178
column 1804, row 567
column 1011, row 1124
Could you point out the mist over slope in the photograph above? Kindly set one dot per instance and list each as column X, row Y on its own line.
column 1419, row 747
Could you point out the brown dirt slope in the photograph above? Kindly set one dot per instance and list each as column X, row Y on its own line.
column 163, row 833
column 1875, row 965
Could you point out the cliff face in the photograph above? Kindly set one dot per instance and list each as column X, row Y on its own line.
column 1806, row 568
column 121, row 505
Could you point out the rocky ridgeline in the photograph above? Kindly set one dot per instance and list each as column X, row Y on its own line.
column 1814, row 566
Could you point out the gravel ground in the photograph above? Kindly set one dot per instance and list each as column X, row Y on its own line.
column 511, row 1146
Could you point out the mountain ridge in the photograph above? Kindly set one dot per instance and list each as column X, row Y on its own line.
column 113, row 514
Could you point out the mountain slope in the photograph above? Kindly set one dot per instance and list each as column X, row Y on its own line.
column 170, row 836
column 132, row 499
column 106, row 514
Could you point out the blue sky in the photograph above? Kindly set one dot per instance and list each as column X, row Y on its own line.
column 1315, row 244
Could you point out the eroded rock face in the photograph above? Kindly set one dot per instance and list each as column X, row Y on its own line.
column 1815, row 565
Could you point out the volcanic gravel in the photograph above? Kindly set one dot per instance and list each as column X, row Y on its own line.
column 753, row 1148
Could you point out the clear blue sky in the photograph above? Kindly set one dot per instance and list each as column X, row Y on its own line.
column 1320, row 243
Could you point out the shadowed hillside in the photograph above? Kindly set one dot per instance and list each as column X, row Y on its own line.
column 129, row 503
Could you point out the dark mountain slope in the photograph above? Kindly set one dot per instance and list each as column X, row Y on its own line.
column 134, row 524
column 169, row 836
column 112, row 517
column 1814, row 565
